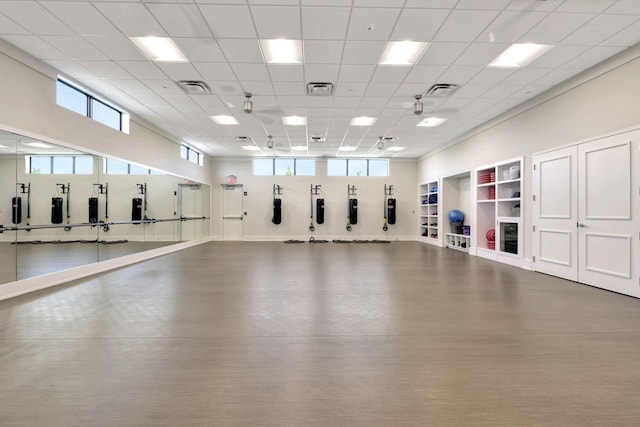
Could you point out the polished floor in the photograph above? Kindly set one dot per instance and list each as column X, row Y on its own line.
column 269, row 334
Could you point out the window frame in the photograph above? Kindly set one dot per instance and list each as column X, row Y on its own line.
column 89, row 99
column 29, row 168
column 273, row 165
column 368, row 169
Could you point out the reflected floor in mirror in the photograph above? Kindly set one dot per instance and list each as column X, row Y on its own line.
column 269, row 334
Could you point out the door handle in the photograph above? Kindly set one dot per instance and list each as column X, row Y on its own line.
column 581, row 225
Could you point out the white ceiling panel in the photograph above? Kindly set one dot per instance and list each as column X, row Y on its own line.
column 350, row 89
column 259, row 88
column 321, row 73
column 35, row 46
column 285, row 73
column 325, row 22
column 76, row 47
column 425, row 74
column 626, row 37
column 200, row 49
column 593, row 56
column 419, row 25
column 251, row 72
column 180, row 71
column 599, row 28
column 107, row 69
column 484, row 4
column 526, row 76
column 180, row 20
column 464, row 25
column 511, row 26
column 83, row 18
column 323, row 51
column 378, row 3
column 481, row 54
column 471, row 91
column 215, row 70
column 361, row 18
column 534, row 6
column 7, row 26
column 228, row 21
column 241, row 50
column 492, row 76
column 558, row 75
column 381, row 89
column 557, row 56
column 431, row 4
column 133, row 19
column 459, row 75
column 585, row 6
column 142, row 69
column 362, row 52
column 556, row 27
column 289, row 88
column 277, row 22
column 356, row 73
column 625, row 7
column 346, row 101
column 439, row 53
column 73, row 69
column 118, row 48
column 34, row 18
column 164, row 87
column 390, row 74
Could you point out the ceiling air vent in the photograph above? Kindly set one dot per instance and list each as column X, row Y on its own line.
column 243, row 139
column 194, row 87
column 319, row 88
column 442, row 89
column 316, row 139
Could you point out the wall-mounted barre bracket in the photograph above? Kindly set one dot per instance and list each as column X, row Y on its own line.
column 315, row 189
column 24, row 188
column 64, row 188
column 388, row 190
column 352, row 190
column 277, row 190
column 142, row 188
column 102, row 188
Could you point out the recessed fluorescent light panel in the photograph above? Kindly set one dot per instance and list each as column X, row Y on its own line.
column 250, row 148
column 282, row 51
column 432, row 122
column 299, row 148
column 520, row 54
column 159, row 49
column 395, row 149
column 294, row 121
column 37, row 144
column 224, row 120
column 402, row 53
column 347, row 148
column 363, row 121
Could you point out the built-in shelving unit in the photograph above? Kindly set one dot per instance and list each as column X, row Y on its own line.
column 459, row 242
column 456, row 193
column 430, row 212
column 498, row 190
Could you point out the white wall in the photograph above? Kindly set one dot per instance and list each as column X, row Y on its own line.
column 296, row 203
column 603, row 100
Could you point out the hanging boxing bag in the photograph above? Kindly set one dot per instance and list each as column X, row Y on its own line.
column 93, row 209
column 353, row 211
column 391, row 211
column 277, row 211
column 136, row 209
column 16, row 210
column 320, row 211
column 56, row 210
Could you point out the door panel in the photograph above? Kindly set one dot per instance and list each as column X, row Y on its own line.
column 608, row 254
column 232, row 212
column 555, row 241
column 607, row 181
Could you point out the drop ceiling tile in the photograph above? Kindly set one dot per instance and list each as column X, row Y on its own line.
column 585, row 6
column 390, row 74
column 555, row 27
column 72, row 69
column 356, row 73
column 286, row 72
column 471, row 91
column 272, row 2
column 215, row 70
column 625, row 7
column 251, row 72
column 200, row 49
column 492, row 76
column 418, row 24
column 318, row 101
column 464, row 25
column 241, row 50
column 499, row 92
column 74, row 46
column 557, row 56
column 481, row 54
column 526, row 76
column 81, row 17
column 323, row 51
column 381, row 89
column 439, row 53
column 180, row 71
column 292, row 101
column 510, row 26
column 289, row 88
column 362, row 52
column 259, row 88
column 133, row 19
column 7, row 26
column 431, row 4
column 626, row 37
column 180, row 20
column 459, row 75
column 378, row 3
column 107, row 69
column 361, row 18
column 277, row 22
column 375, row 101
column 321, row 73
column 35, row 46
column 325, row 22
column 484, row 4
column 163, row 87
column 425, row 74
column 558, row 75
column 34, row 18
column 118, row 48
column 346, row 101
column 599, row 28
column 593, row 56
column 350, row 89
column 229, row 21
column 538, row 6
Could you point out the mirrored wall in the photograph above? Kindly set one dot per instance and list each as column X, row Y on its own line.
column 61, row 208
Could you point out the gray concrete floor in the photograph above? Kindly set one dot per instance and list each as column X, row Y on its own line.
column 268, row 334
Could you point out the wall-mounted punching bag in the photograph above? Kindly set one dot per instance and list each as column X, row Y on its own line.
column 16, row 210
column 136, row 209
column 277, row 211
column 320, row 211
column 93, row 209
column 56, row 210
column 353, row 211
column 391, row 211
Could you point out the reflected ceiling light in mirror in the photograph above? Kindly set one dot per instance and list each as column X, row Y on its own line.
column 396, row 149
column 281, row 51
column 402, row 52
column 159, row 49
column 363, row 121
column 299, row 148
column 250, row 148
column 294, row 121
column 519, row 54
column 224, row 120
column 3, row 146
column 432, row 122
column 347, row 148
column 37, row 144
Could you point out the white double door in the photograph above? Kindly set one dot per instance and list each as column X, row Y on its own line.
column 586, row 212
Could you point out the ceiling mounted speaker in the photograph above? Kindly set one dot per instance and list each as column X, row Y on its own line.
column 248, row 104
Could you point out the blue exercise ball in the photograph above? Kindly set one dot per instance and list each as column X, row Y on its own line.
column 456, row 216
